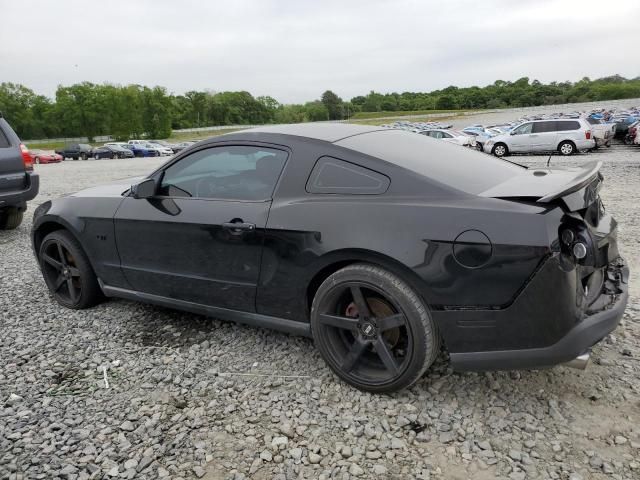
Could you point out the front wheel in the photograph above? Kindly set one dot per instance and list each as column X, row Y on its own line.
column 372, row 329
column 84, row 156
column 566, row 148
column 67, row 271
column 500, row 150
column 96, row 157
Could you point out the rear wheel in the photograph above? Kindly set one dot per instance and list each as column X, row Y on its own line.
column 84, row 156
column 372, row 329
column 11, row 218
column 500, row 150
column 67, row 271
column 566, row 148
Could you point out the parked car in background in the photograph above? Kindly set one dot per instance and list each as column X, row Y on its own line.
column 111, row 151
column 161, row 149
column 18, row 182
column 75, row 151
column 137, row 142
column 566, row 136
column 40, row 156
column 166, row 144
column 140, row 150
column 602, row 131
column 633, row 134
column 181, row 146
column 488, row 133
column 506, row 266
column 623, row 122
column 451, row 136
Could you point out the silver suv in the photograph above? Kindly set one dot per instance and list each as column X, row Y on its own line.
column 565, row 136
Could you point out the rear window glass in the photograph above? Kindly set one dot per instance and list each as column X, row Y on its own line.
column 459, row 168
column 332, row 175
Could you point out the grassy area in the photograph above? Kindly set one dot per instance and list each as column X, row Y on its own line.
column 404, row 113
column 45, row 146
column 177, row 137
column 422, row 118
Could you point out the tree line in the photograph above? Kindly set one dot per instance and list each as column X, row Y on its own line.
column 88, row 110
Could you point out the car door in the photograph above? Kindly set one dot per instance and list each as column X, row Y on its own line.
column 199, row 239
column 521, row 139
column 544, row 136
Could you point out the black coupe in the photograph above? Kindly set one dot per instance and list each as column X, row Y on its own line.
column 382, row 245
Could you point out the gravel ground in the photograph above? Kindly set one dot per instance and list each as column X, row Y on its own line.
column 191, row 397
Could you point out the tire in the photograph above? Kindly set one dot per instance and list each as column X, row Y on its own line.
column 608, row 144
column 67, row 271
column 500, row 150
column 96, row 157
column 11, row 218
column 37, row 160
column 84, row 156
column 479, row 147
column 566, row 148
column 387, row 349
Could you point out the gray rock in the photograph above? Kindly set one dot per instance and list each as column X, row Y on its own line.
column 356, row 470
column 127, row 426
column 314, row 458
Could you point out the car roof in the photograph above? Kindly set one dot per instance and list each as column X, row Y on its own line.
column 329, row 132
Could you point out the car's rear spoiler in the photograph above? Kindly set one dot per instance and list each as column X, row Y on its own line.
column 584, row 178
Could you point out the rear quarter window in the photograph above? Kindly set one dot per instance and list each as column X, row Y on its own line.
column 563, row 126
column 4, row 142
column 334, row 176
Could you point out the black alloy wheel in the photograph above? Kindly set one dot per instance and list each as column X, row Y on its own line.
column 67, row 272
column 372, row 329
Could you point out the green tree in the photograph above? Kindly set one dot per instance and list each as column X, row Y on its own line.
column 333, row 104
column 316, row 112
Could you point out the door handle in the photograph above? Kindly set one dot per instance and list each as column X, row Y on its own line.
column 239, row 226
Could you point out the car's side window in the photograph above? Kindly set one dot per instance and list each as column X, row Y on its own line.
column 446, row 135
column 523, row 129
column 544, row 127
column 225, row 173
column 334, row 176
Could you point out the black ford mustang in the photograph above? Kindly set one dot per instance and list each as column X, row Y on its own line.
column 380, row 244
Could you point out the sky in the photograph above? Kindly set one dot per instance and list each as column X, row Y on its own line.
column 293, row 50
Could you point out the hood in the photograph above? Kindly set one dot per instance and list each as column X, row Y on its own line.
column 115, row 189
column 578, row 187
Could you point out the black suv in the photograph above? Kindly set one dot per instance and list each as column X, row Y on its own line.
column 76, row 151
column 18, row 183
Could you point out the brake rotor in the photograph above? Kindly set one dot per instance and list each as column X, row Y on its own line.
column 380, row 308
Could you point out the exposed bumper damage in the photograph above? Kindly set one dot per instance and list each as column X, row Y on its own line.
column 602, row 317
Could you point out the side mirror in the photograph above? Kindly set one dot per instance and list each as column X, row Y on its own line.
column 144, row 189
column 512, row 132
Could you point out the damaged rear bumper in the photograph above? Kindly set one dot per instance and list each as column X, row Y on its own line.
column 574, row 343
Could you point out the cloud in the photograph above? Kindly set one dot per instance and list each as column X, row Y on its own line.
column 293, row 50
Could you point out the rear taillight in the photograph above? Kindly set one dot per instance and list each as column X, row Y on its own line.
column 26, row 158
column 587, row 134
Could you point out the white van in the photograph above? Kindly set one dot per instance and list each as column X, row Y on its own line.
column 566, row 136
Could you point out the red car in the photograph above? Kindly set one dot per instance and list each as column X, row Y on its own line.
column 40, row 156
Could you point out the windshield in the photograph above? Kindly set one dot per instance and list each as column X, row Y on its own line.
column 458, row 168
